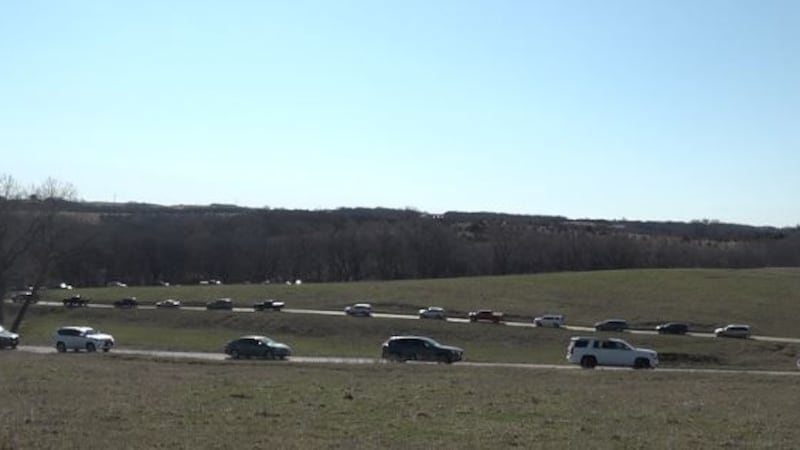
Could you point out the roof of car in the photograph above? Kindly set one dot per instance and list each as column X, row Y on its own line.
column 362, row 305
column 410, row 337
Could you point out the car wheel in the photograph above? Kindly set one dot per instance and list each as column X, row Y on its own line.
column 234, row 354
column 268, row 355
column 588, row 362
column 641, row 363
column 445, row 359
column 106, row 350
column 61, row 347
column 90, row 347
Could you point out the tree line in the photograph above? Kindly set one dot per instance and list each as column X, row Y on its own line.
column 88, row 244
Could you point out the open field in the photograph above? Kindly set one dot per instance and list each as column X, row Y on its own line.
column 108, row 401
column 313, row 335
column 765, row 298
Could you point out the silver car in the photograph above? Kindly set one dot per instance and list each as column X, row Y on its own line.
column 734, row 331
column 433, row 312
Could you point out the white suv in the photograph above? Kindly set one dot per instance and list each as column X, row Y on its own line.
column 549, row 320
column 82, row 338
column 591, row 351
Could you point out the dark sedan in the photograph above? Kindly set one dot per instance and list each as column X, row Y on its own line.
column 257, row 347
column 128, row 302
column 611, row 325
column 220, row 303
column 672, row 328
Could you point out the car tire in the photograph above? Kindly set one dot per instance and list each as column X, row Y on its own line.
column 61, row 347
column 90, row 347
column 445, row 359
column 234, row 354
column 588, row 362
column 641, row 363
column 269, row 355
column 106, row 350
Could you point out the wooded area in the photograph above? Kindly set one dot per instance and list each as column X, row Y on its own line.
column 90, row 244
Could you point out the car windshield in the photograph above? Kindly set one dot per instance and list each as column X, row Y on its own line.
column 267, row 340
column 2, row 329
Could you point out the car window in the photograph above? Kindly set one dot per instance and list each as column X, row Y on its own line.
column 581, row 343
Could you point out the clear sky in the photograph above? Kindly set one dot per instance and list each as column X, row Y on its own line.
column 652, row 110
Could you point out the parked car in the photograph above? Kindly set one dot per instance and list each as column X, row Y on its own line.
column 419, row 348
column 169, row 303
column 611, row 325
column 126, row 303
column 359, row 310
column 8, row 339
column 75, row 301
column 269, row 305
column 116, row 284
column 433, row 312
column 672, row 328
column 734, row 331
column 591, row 351
column 257, row 347
column 549, row 320
column 82, row 338
column 220, row 303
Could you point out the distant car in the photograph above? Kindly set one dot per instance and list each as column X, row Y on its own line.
column 419, row 348
column 591, row 351
column 611, row 325
column 126, row 303
column 549, row 320
column 8, row 339
column 734, row 331
column 672, row 328
column 486, row 315
column 82, row 338
column 75, row 301
column 24, row 296
column 359, row 310
column 433, row 312
column 257, row 347
column 169, row 303
column 268, row 305
column 116, row 284
column 220, row 303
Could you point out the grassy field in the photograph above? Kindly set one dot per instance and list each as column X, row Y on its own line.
column 313, row 335
column 96, row 401
column 765, row 298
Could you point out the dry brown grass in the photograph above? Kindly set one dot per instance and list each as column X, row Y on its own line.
column 106, row 401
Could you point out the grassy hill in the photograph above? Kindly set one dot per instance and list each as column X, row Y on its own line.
column 767, row 299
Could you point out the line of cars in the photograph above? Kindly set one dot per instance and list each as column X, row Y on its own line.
column 731, row 330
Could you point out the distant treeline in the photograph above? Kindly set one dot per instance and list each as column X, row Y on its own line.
column 145, row 244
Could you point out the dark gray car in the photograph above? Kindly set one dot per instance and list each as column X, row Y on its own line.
column 257, row 347
column 611, row 325
column 419, row 348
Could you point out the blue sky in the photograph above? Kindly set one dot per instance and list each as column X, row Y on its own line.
column 647, row 110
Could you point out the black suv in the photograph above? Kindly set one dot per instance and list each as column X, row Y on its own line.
column 419, row 348
column 672, row 328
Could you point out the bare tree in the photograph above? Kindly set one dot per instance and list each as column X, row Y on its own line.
column 31, row 233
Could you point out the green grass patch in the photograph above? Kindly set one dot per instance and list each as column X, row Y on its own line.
column 765, row 298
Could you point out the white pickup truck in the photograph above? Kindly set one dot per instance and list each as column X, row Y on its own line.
column 591, row 351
